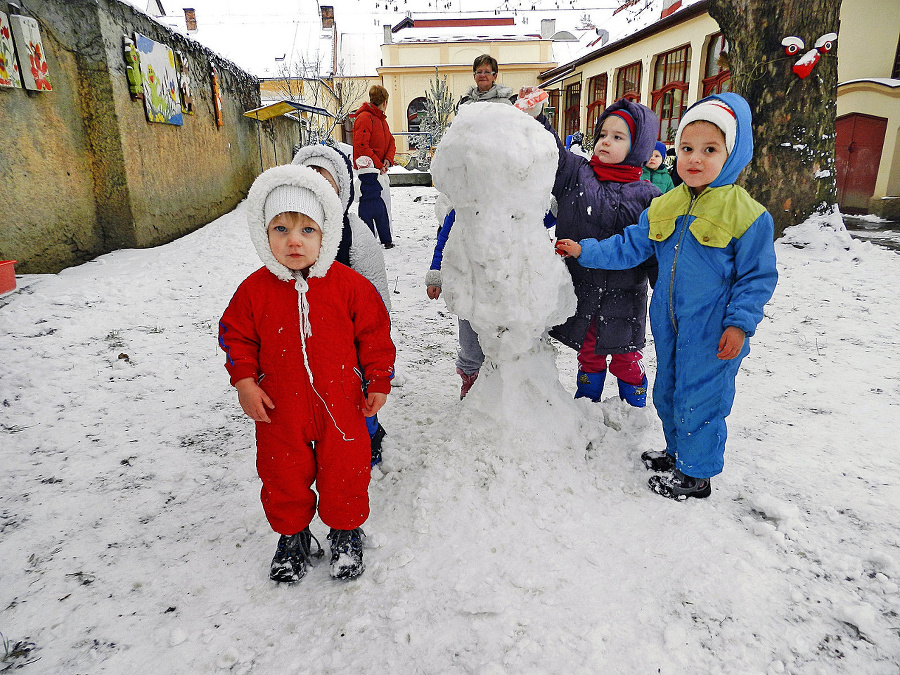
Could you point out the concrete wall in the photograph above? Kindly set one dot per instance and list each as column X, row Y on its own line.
column 85, row 173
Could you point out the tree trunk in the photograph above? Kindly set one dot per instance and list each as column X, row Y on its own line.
column 792, row 173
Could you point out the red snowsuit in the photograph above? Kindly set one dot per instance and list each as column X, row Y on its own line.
column 372, row 136
column 318, row 432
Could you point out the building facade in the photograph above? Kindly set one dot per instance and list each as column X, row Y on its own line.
column 678, row 60
column 408, row 67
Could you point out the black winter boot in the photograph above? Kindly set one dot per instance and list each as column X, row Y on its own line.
column 346, row 553
column 678, row 486
column 376, row 439
column 658, row 460
column 293, row 554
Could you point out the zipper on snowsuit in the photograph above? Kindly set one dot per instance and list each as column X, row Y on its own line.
column 684, row 221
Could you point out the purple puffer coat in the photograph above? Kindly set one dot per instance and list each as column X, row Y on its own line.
column 590, row 208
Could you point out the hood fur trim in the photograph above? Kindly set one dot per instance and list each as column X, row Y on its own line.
column 300, row 176
column 332, row 160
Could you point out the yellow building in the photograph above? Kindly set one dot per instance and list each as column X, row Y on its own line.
column 409, row 53
column 676, row 61
column 413, row 48
column 667, row 63
column 868, row 107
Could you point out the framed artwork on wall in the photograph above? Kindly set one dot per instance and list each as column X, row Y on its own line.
column 184, row 79
column 132, row 69
column 9, row 66
column 30, row 50
column 217, row 97
column 160, row 81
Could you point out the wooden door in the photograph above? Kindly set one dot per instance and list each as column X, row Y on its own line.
column 858, row 144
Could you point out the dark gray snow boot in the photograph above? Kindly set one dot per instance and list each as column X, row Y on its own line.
column 678, row 486
column 658, row 460
column 293, row 554
column 346, row 553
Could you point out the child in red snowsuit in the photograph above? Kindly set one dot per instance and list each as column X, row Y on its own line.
column 304, row 336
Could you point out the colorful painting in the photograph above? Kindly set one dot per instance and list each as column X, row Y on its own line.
column 160, row 81
column 9, row 67
column 184, row 79
column 217, row 99
column 132, row 68
column 30, row 49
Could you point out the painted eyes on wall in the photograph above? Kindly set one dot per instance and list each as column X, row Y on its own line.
column 804, row 65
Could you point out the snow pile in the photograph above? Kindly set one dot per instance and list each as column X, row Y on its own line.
column 822, row 233
column 132, row 538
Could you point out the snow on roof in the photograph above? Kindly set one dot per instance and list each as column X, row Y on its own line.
column 886, row 81
column 360, row 53
column 622, row 24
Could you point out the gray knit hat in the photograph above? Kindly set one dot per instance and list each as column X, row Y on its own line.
column 332, row 161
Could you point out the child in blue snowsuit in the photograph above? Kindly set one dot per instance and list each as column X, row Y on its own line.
column 716, row 253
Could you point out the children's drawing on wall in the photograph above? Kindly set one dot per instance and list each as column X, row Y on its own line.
column 184, row 81
column 217, row 99
column 30, row 50
column 132, row 68
column 9, row 67
column 160, row 81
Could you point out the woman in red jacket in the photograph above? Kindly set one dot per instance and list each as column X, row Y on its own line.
column 373, row 155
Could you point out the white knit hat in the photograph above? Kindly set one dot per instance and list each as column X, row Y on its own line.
column 715, row 112
column 333, row 162
column 293, row 198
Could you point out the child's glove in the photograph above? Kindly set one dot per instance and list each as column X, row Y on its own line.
column 433, row 284
column 433, row 278
column 531, row 100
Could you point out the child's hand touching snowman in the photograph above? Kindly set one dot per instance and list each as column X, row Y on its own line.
column 568, row 248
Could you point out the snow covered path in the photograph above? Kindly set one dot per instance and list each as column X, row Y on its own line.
column 132, row 539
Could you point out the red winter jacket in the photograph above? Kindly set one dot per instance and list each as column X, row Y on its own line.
column 372, row 136
column 317, row 432
column 260, row 333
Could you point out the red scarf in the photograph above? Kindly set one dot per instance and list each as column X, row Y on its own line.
column 615, row 172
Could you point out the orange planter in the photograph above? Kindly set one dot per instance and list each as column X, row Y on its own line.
column 7, row 276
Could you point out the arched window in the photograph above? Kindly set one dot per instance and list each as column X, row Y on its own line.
column 415, row 114
column 573, row 108
column 628, row 82
column 670, row 88
column 596, row 101
column 717, row 76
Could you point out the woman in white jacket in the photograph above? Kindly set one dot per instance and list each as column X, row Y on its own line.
column 359, row 249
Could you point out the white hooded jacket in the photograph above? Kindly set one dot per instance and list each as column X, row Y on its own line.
column 366, row 255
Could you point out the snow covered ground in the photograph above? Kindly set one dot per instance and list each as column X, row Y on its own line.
column 132, row 538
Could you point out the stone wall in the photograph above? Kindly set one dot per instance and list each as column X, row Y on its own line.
column 82, row 170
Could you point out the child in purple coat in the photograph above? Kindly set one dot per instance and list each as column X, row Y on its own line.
column 599, row 198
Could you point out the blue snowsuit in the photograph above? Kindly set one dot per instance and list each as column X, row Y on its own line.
column 717, row 269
